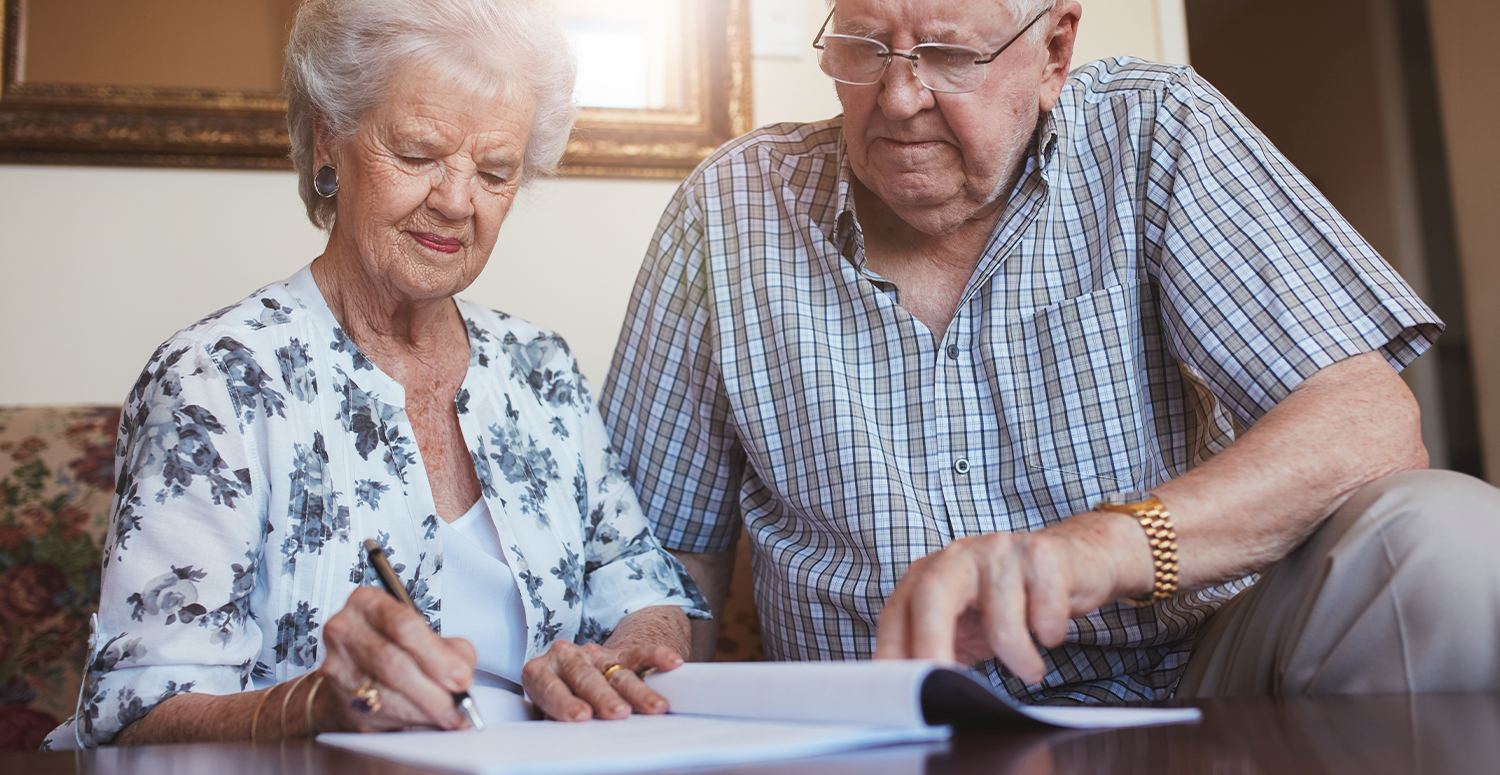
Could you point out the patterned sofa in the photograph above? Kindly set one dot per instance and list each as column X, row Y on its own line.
column 56, row 482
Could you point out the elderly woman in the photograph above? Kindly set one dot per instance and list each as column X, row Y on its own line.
column 359, row 399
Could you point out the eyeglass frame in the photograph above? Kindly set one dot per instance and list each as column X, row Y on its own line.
column 912, row 58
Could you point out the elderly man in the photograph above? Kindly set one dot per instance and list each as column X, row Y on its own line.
column 1036, row 371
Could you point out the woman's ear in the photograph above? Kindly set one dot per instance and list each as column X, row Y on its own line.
column 323, row 150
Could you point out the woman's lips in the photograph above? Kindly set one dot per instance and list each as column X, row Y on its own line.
column 440, row 244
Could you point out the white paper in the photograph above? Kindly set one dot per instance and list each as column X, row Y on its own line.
column 497, row 706
column 635, row 744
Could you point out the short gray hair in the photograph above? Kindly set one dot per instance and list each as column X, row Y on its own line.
column 1023, row 11
column 343, row 54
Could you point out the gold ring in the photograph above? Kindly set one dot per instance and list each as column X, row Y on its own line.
column 366, row 698
column 611, row 669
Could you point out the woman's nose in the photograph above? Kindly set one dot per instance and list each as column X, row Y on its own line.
column 452, row 195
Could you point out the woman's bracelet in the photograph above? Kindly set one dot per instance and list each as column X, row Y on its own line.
column 288, row 698
column 307, row 710
column 255, row 715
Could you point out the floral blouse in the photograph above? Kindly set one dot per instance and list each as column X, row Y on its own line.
column 259, row 448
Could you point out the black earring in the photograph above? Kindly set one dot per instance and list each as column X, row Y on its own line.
column 326, row 181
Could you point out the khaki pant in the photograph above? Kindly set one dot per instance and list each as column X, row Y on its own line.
column 1399, row 591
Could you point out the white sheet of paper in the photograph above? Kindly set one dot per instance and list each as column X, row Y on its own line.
column 636, row 744
column 497, row 706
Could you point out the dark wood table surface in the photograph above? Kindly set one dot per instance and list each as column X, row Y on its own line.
column 1434, row 733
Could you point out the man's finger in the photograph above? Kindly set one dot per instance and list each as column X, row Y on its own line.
column 946, row 588
column 1048, row 600
column 1004, row 614
column 891, row 631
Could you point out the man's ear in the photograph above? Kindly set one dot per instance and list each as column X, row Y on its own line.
column 1059, row 42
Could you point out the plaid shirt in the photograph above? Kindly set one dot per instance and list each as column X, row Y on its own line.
column 1160, row 274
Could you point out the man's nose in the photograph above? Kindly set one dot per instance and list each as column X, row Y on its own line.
column 901, row 94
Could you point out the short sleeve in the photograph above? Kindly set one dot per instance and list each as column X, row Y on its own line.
column 1262, row 282
column 664, row 402
column 182, row 555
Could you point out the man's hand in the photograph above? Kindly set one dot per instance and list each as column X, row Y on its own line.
column 1000, row 595
column 1345, row 426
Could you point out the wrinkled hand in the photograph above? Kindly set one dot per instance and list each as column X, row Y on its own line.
column 1000, row 595
column 568, row 684
column 416, row 670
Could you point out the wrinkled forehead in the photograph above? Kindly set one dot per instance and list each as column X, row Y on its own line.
column 951, row 21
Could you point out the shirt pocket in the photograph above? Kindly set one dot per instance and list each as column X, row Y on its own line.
column 1076, row 407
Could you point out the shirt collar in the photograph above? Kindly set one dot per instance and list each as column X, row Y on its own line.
column 846, row 233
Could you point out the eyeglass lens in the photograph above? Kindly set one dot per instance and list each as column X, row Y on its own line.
column 861, row 61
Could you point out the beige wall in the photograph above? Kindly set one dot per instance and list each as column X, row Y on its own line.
column 98, row 265
column 1468, row 69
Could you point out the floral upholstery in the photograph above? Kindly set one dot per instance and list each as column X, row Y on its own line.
column 56, row 482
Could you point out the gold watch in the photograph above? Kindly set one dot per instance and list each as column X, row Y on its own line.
column 1157, row 522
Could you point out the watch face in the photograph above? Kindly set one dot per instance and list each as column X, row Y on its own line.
column 1126, row 497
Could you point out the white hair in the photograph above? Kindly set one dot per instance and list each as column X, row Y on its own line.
column 1023, row 11
column 342, row 56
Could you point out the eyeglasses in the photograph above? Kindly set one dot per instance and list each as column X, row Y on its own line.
column 941, row 67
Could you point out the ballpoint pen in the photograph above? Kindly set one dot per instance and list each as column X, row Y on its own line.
column 392, row 585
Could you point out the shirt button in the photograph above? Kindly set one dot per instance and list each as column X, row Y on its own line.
column 953, row 351
column 962, row 466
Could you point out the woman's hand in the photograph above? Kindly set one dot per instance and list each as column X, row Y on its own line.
column 568, row 682
column 415, row 670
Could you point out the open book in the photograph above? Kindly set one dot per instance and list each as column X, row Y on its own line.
column 735, row 713
column 899, row 693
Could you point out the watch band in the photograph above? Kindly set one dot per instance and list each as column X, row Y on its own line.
column 1157, row 522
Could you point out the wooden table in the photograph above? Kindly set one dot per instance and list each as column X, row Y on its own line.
column 1436, row 733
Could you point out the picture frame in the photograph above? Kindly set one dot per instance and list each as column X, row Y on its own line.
column 98, row 122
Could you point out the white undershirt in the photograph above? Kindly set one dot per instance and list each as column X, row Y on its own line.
column 480, row 599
